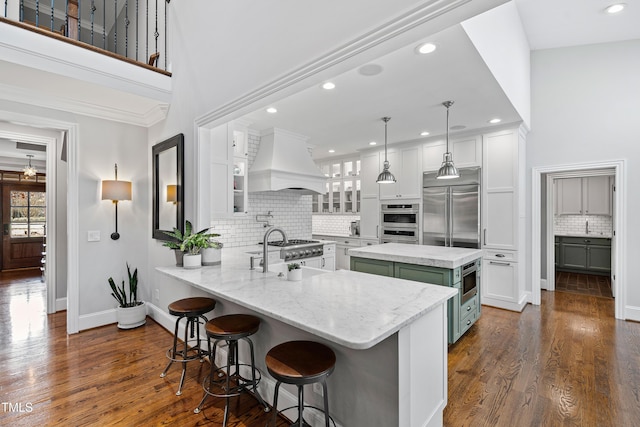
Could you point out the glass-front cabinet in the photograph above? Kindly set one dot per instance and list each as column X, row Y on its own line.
column 342, row 190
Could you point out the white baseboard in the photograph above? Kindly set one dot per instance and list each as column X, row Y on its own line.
column 93, row 320
column 506, row 305
column 632, row 313
column 61, row 304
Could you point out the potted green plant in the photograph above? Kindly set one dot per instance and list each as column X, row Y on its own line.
column 191, row 247
column 294, row 272
column 179, row 241
column 130, row 312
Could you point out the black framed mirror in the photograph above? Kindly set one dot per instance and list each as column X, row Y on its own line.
column 168, row 191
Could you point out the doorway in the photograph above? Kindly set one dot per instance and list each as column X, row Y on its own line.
column 543, row 241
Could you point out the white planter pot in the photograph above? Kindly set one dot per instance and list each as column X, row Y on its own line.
column 294, row 275
column 190, row 261
column 131, row 317
column 211, row 256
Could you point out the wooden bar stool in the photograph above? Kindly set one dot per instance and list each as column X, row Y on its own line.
column 193, row 310
column 226, row 381
column 300, row 363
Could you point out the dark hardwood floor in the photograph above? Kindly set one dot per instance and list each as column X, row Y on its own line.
column 585, row 284
column 567, row 362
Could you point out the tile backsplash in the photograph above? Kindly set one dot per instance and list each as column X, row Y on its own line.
column 333, row 225
column 290, row 211
column 576, row 224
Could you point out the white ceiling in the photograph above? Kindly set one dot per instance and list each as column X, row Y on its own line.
column 411, row 87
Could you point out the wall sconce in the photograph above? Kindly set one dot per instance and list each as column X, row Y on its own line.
column 115, row 191
column 172, row 194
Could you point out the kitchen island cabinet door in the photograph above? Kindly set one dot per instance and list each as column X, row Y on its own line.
column 372, row 266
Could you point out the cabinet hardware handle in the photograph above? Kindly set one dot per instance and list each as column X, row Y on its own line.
column 499, row 263
column 322, row 261
column 468, row 322
column 469, row 308
column 377, row 227
column 485, row 237
column 500, row 255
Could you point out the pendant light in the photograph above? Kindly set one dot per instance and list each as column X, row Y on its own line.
column 448, row 169
column 385, row 176
column 29, row 171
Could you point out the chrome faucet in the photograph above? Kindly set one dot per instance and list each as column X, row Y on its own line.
column 586, row 227
column 265, row 254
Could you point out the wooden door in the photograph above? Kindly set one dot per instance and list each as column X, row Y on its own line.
column 23, row 225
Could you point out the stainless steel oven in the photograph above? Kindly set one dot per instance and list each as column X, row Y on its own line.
column 400, row 222
column 469, row 281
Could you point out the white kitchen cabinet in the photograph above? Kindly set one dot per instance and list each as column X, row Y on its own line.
column 503, row 219
column 570, row 196
column 589, row 195
column 328, row 261
column 227, row 171
column 405, row 166
column 370, row 218
column 466, row 152
column 343, row 260
column 500, row 190
column 315, row 262
column 500, row 273
column 371, row 168
column 342, row 189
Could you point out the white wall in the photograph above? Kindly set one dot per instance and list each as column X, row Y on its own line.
column 585, row 104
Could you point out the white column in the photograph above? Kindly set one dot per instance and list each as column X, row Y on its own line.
column 13, row 10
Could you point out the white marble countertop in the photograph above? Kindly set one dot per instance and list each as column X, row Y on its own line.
column 432, row 256
column 356, row 310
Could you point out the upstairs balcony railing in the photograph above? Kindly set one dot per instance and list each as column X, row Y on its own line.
column 134, row 29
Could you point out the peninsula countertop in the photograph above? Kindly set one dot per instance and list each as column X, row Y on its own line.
column 432, row 256
column 356, row 310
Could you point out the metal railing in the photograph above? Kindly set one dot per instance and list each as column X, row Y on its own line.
column 136, row 29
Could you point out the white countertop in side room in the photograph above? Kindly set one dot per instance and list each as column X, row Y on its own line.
column 356, row 310
column 432, row 256
column 585, row 235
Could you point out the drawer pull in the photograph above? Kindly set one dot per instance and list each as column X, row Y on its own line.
column 500, row 255
column 468, row 322
column 499, row 263
column 469, row 308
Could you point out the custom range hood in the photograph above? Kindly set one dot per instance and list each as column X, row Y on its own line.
column 283, row 163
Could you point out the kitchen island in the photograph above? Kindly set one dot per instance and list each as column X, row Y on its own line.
column 389, row 335
column 457, row 268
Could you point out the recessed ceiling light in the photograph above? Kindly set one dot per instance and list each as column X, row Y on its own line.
column 272, row 110
column 615, row 8
column 426, row 48
column 332, row 151
column 373, row 143
column 328, row 86
column 494, row 121
column 425, row 133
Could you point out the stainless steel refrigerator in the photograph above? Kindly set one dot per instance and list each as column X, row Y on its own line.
column 451, row 210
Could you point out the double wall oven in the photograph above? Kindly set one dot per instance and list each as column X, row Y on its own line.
column 400, row 222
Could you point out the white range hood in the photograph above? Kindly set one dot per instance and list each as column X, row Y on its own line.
column 283, row 163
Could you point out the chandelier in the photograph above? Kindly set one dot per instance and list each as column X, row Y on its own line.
column 29, row 171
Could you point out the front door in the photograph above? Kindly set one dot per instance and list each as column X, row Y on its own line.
column 23, row 224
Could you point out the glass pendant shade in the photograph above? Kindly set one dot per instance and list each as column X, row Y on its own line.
column 29, row 171
column 448, row 169
column 385, row 176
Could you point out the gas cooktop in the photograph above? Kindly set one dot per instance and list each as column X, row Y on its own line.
column 296, row 249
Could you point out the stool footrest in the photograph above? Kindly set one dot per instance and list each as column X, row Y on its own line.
column 241, row 383
column 193, row 353
column 304, row 423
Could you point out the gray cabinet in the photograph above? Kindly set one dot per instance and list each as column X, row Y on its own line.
column 583, row 254
column 584, row 196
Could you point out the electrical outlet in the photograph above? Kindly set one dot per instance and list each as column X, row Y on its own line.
column 156, row 295
column 317, row 388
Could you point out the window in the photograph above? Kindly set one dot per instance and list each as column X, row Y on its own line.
column 28, row 213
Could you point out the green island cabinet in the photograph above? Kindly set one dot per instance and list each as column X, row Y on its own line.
column 460, row 318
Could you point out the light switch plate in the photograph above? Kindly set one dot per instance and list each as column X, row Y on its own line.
column 93, row 236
